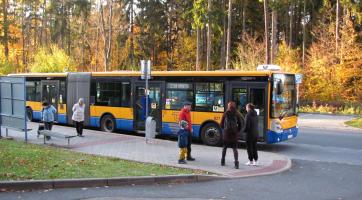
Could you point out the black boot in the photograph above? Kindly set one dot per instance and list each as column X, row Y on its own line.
column 223, row 162
column 236, row 164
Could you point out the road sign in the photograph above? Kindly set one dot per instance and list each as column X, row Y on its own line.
column 298, row 78
column 145, row 69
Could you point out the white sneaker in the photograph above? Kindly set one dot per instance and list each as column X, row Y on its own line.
column 248, row 163
column 255, row 163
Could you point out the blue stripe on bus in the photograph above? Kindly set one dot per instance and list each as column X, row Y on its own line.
column 94, row 121
column 172, row 128
column 273, row 137
column 124, row 124
column 62, row 118
column 36, row 115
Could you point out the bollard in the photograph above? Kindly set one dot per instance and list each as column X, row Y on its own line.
column 150, row 128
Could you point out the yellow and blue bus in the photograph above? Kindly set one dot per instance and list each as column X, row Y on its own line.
column 116, row 100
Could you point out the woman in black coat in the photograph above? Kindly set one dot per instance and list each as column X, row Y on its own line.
column 231, row 123
column 251, row 129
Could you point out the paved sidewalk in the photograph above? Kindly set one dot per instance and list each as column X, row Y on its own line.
column 159, row 151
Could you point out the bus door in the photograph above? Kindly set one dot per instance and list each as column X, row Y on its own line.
column 239, row 94
column 50, row 93
column 257, row 96
column 154, row 105
column 243, row 93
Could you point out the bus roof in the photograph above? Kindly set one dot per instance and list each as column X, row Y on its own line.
column 159, row 73
column 40, row 75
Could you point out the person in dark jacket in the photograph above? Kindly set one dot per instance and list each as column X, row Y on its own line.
column 182, row 141
column 251, row 130
column 231, row 132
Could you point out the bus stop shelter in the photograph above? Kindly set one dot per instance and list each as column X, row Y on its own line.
column 13, row 105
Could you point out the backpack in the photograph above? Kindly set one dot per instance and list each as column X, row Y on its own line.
column 230, row 122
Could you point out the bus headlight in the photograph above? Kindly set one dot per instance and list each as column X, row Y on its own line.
column 276, row 126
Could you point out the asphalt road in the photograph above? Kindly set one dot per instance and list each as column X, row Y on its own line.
column 327, row 164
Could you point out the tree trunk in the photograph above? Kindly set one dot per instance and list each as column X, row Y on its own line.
column 244, row 3
column 337, row 25
column 266, row 33
column 208, row 53
column 304, row 35
column 25, row 63
column 223, row 39
column 291, row 14
column 107, row 35
column 274, row 36
column 198, row 49
column 228, row 44
column 69, row 40
column 6, row 29
column 131, row 35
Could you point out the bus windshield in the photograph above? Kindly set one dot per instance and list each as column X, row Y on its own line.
column 284, row 96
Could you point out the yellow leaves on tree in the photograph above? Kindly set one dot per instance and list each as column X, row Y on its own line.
column 52, row 60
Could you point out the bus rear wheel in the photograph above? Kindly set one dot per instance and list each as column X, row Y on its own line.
column 29, row 114
column 211, row 134
column 108, row 123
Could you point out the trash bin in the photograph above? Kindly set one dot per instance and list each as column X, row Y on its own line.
column 150, row 128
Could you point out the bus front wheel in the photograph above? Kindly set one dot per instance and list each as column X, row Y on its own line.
column 211, row 134
column 108, row 123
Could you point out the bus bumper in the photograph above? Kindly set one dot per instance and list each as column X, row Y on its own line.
column 274, row 137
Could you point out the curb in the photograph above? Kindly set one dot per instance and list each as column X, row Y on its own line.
column 276, row 167
column 100, row 182
column 331, row 114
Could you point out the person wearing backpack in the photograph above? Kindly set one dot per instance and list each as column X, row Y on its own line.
column 231, row 123
column 251, row 130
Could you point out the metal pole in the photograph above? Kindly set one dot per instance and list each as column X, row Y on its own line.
column 25, row 120
column 147, row 66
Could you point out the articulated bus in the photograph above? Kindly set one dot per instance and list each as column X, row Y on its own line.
column 116, row 100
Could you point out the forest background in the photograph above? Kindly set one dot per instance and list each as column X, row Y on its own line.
column 321, row 39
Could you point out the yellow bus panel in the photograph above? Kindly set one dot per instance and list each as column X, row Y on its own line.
column 171, row 116
column 289, row 122
column 117, row 112
column 34, row 105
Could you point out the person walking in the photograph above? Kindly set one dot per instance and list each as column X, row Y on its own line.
column 231, row 123
column 185, row 115
column 182, row 141
column 251, row 129
column 48, row 116
column 78, row 116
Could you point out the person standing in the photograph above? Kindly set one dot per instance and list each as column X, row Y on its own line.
column 251, row 129
column 78, row 116
column 185, row 114
column 182, row 141
column 48, row 117
column 231, row 123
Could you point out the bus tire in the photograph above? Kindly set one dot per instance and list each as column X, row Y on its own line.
column 108, row 124
column 29, row 114
column 211, row 134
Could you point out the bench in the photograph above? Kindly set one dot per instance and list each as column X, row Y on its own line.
column 12, row 128
column 56, row 135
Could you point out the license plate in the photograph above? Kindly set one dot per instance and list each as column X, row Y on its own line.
column 290, row 136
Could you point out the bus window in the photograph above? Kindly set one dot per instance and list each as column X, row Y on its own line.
column 33, row 91
column 177, row 94
column 115, row 94
column 240, row 97
column 209, row 97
